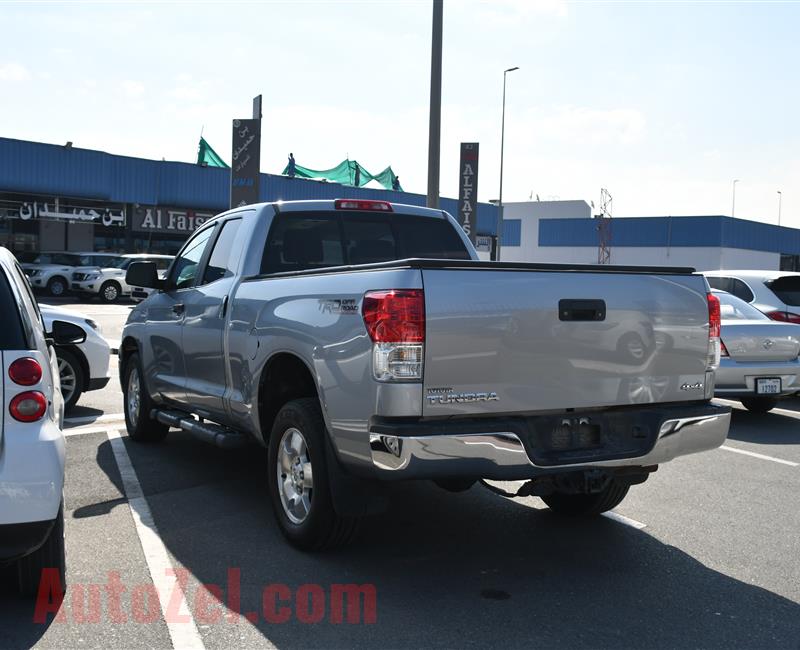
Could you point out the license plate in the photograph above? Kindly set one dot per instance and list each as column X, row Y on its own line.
column 768, row 386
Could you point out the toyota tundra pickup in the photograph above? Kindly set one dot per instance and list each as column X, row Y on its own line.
column 362, row 342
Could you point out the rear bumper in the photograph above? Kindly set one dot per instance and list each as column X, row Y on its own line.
column 498, row 454
column 738, row 379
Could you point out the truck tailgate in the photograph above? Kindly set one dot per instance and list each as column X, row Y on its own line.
column 497, row 341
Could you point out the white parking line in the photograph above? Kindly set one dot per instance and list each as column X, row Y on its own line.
column 761, row 456
column 622, row 519
column 185, row 634
column 89, row 419
column 81, row 431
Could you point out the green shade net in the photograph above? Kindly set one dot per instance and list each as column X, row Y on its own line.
column 345, row 173
column 205, row 154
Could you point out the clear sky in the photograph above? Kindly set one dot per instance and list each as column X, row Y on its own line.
column 663, row 103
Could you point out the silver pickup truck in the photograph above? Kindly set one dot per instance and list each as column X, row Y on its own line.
column 362, row 342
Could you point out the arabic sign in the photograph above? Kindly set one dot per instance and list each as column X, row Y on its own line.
column 245, row 165
column 468, row 189
column 37, row 210
column 174, row 221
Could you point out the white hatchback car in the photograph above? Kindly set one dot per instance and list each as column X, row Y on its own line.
column 31, row 439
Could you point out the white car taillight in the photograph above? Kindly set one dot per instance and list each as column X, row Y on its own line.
column 395, row 321
column 714, row 327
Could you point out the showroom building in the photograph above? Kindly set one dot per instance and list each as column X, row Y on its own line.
column 62, row 198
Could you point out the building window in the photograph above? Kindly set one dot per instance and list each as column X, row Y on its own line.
column 790, row 263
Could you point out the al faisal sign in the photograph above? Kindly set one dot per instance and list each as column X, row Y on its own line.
column 468, row 189
column 245, row 163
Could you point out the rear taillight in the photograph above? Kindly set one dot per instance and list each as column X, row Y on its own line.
column 395, row 321
column 714, row 327
column 363, row 204
column 29, row 406
column 25, row 371
column 723, row 351
column 784, row 316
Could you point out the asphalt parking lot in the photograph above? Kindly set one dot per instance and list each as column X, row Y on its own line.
column 705, row 554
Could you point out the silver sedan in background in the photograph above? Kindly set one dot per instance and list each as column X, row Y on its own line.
column 759, row 362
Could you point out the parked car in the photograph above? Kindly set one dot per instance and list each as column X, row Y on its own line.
column 108, row 282
column 363, row 342
column 31, row 440
column 775, row 293
column 759, row 361
column 82, row 367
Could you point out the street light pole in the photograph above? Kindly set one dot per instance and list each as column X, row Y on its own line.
column 780, row 196
column 733, row 204
column 435, row 125
column 502, row 145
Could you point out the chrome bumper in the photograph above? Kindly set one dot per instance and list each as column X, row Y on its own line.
column 502, row 455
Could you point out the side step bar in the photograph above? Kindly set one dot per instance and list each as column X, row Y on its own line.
column 205, row 431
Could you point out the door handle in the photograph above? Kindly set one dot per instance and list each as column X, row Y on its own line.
column 223, row 310
column 178, row 308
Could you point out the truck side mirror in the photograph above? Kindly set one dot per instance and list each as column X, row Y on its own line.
column 143, row 274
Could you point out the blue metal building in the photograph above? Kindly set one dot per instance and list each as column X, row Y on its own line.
column 161, row 202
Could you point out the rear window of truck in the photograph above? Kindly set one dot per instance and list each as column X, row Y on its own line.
column 313, row 240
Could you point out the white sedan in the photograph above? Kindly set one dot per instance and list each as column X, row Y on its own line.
column 84, row 366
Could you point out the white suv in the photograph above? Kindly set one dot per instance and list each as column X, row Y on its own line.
column 31, row 440
column 108, row 282
column 775, row 293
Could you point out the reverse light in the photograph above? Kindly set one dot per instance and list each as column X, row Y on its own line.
column 363, row 204
column 29, row 406
column 714, row 328
column 395, row 321
column 784, row 316
column 25, row 371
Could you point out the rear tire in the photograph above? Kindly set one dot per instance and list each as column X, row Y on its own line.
column 302, row 500
column 49, row 555
column 588, row 504
column 759, row 404
column 137, row 405
column 71, row 375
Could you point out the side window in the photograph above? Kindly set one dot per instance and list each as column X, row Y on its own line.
column 741, row 290
column 723, row 284
column 297, row 243
column 224, row 260
column 185, row 268
column 367, row 242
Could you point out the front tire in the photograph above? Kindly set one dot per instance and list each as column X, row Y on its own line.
column 110, row 291
column 299, row 485
column 759, row 404
column 588, row 504
column 49, row 555
column 137, row 405
column 72, row 377
column 57, row 287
